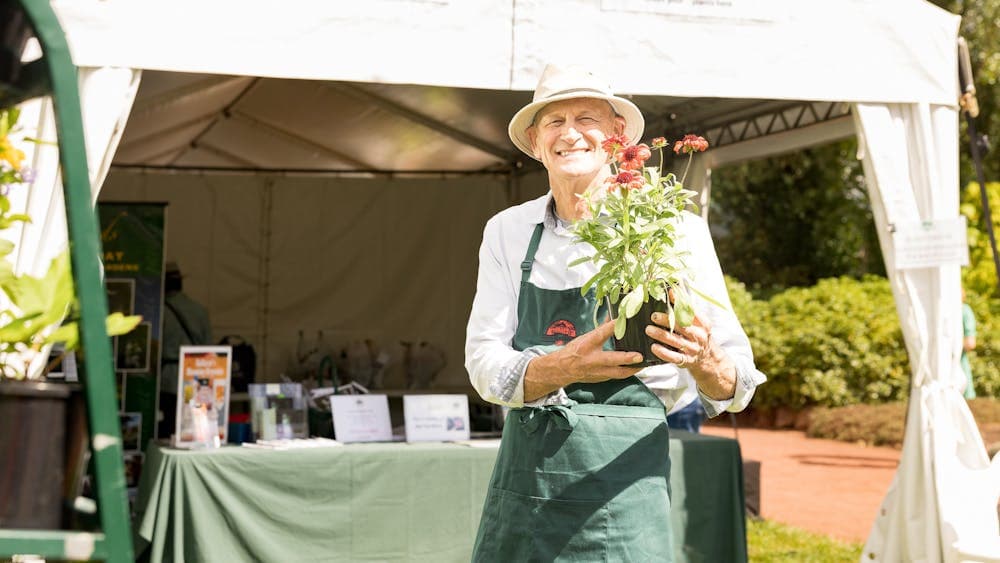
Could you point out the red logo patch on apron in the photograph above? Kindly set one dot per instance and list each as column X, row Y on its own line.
column 562, row 331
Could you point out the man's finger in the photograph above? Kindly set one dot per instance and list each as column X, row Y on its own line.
column 604, row 331
column 620, row 358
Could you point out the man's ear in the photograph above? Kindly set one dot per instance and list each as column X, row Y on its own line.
column 619, row 125
column 532, row 134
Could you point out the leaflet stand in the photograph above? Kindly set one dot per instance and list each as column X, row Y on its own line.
column 54, row 74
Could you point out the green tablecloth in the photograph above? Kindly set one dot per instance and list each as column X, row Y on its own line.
column 364, row 502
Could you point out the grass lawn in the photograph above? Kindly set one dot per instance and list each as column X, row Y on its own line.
column 772, row 542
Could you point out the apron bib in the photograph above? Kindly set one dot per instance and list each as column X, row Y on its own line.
column 581, row 482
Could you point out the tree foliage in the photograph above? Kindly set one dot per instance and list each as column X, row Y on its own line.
column 981, row 29
column 793, row 219
column 981, row 276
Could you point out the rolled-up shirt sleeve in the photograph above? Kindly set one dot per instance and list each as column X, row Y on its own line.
column 727, row 332
column 495, row 368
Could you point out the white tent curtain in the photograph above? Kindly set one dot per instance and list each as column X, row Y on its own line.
column 941, row 505
column 106, row 98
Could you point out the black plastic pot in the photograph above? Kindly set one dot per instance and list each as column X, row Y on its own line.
column 635, row 339
column 33, row 453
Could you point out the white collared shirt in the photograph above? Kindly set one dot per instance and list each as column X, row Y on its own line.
column 496, row 369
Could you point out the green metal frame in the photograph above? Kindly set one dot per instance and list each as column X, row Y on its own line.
column 55, row 74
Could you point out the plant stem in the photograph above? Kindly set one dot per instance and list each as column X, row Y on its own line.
column 688, row 166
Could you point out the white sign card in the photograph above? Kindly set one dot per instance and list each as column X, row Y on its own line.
column 436, row 418
column 931, row 243
column 361, row 418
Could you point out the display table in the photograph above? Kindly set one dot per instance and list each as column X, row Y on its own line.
column 396, row 501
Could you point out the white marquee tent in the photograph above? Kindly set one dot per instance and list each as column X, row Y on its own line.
column 320, row 157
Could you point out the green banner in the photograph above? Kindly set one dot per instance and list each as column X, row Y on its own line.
column 132, row 235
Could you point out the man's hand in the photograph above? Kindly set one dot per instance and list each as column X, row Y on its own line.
column 695, row 351
column 583, row 360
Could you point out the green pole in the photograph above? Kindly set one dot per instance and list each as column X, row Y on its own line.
column 85, row 252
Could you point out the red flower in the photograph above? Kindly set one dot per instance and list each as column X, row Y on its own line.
column 690, row 144
column 633, row 157
column 629, row 180
column 659, row 143
column 613, row 143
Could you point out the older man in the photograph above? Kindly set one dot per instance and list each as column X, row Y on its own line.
column 583, row 466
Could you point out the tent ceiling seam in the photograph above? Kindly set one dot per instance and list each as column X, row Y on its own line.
column 422, row 119
column 277, row 131
column 208, row 147
column 171, row 97
column 197, row 138
column 169, row 130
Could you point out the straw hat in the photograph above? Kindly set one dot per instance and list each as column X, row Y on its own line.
column 565, row 82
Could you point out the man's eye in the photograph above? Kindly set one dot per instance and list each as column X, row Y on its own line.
column 555, row 122
column 588, row 120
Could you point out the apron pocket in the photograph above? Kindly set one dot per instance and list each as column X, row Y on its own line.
column 516, row 527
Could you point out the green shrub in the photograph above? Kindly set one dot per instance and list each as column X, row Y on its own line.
column 836, row 343
column 883, row 425
column 875, row 425
column 839, row 343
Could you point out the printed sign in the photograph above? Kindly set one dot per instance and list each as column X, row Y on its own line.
column 436, row 418
column 132, row 236
column 361, row 418
column 203, row 396
column 931, row 243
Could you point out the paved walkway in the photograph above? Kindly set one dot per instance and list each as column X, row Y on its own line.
column 824, row 486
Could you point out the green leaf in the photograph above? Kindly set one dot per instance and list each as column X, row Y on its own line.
column 20, row 329
column 68, row 334
column 118, row 323
column 685, row 313
column 709, row 299
column 632, row 302
column 582, row 260
column 58, row 282
column 6, row 247
column 657, row 292
column 27, row 293
column 620, row 327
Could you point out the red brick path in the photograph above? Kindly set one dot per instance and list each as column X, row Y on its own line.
column 824, row 486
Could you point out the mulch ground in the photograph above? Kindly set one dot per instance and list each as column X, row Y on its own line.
column 824, row 486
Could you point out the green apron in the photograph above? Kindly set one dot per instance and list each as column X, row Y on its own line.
column 581, row 482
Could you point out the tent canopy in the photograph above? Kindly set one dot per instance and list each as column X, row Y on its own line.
column 417, row 86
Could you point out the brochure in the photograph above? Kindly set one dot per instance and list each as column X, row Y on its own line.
column 203, row 381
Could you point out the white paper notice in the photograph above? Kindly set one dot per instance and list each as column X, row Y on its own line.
column 361, row 418
column 436, row 418
column 931, row 243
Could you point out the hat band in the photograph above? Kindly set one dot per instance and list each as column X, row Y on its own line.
column 573, row 90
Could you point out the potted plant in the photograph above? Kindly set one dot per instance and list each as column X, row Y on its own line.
column 631, row 223
column 35, row 314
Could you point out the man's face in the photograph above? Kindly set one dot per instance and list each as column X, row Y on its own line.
column 566, row 136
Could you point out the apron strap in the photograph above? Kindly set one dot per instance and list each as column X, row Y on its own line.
column 529, row 257
column 565, row 416
column 620, row 411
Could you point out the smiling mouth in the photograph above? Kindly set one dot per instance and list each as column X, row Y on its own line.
column 572, row 152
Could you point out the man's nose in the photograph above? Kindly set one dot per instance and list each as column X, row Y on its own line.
column 570, row 133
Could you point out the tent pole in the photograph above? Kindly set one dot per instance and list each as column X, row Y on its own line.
column 977, row 145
